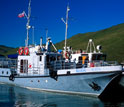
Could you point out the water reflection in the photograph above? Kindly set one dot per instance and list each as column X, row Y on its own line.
column 12, row 96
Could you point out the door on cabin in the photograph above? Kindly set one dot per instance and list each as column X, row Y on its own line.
column 24, row 66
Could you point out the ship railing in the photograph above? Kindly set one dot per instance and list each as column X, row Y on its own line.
column 26, row 70
column 51, row 66
column 75, row 51
column 32, row 71
column 8, row 63
column 79, row 64
column 100, row 63
column 61, row 65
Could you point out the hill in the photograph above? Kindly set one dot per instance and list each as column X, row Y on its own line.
column 111, row 39
column 4, row 49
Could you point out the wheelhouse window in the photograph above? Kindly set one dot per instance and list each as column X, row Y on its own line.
column 53, row 60
column 99, row 57
column 50, row 58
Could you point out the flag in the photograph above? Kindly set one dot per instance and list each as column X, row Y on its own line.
column 21, row 14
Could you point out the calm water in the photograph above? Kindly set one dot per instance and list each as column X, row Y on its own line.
column 12, row 96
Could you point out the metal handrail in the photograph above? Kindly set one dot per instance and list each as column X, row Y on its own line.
column 8, row 63
column 53, row 65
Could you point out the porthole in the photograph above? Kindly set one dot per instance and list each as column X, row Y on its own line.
column 31, row 80
column 2, row 72
column 38, row 80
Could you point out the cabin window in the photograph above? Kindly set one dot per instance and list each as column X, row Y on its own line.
column 7, row 72
column 40, row 58
column 99, row 57
column 52, row 60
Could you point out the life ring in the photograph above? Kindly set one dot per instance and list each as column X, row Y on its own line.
column 20, row 51
column 67, row 55
column 26, row 51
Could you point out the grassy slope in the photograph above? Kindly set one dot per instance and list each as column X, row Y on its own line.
column 12, row 51
column 111, row 39
column 4, row 49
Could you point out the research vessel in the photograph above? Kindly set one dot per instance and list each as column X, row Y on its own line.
column 64, row 71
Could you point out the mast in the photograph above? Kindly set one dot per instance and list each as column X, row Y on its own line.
column 66, row 29
column 28, row 22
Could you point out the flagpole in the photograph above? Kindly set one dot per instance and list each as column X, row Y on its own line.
column 28, row 22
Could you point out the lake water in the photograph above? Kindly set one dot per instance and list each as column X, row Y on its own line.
column 13, row 96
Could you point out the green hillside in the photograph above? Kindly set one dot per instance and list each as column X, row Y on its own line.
column 111, row 39
column 4, row 49
column 12, row 51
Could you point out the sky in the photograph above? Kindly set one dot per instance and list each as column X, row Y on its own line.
column 84, row 16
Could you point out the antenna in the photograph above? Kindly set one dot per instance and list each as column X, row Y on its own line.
column 28, row 22
column 66, row 23
column 46, row 33
column 33, row 35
